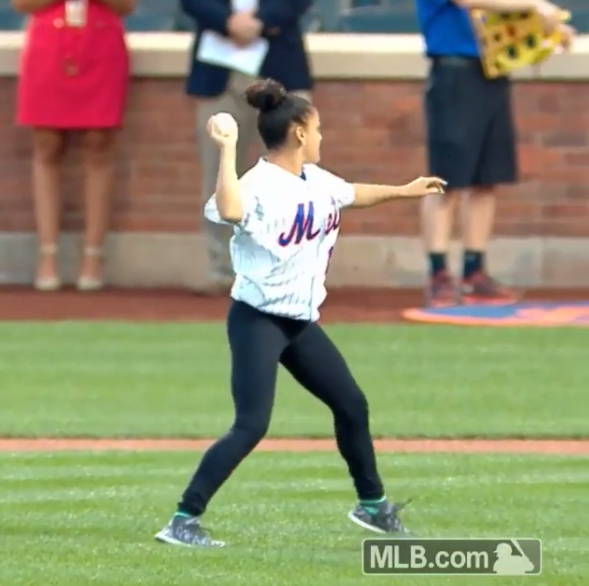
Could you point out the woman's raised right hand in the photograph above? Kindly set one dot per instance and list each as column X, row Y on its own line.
column 222, row 128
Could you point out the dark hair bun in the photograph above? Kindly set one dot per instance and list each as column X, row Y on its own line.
column 265, row 95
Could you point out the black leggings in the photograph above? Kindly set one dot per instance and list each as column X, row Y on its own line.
column 259, row 342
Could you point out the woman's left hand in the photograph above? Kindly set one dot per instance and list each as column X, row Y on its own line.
column 424, row 186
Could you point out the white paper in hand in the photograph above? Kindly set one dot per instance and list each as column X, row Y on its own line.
column 216, row 49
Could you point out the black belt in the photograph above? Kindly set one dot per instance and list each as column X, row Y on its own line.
column 453, row 59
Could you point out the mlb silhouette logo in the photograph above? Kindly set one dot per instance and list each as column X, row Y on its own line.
column 510, row 563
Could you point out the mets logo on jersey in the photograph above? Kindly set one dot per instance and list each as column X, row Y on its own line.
column 303, row 225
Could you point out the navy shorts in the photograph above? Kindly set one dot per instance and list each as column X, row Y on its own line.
column 470, row 129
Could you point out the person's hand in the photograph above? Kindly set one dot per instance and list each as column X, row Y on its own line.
column 551, row 16
column 244, row 27
column 567, row 34
column 222, row 128
column 424, row 186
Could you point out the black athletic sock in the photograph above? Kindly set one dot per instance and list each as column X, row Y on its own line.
column 473, row 263
column 437, row 262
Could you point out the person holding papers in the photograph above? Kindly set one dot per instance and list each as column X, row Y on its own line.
column 238, row 41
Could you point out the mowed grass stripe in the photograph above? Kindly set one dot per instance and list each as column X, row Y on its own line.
column 90, row 518
column 171, row 380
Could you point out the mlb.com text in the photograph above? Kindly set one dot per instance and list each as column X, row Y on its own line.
column 393, row 557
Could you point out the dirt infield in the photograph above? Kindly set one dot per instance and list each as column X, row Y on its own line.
column 342, row 305
column 555, row 447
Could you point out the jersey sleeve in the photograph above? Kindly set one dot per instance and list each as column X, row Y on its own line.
column 343, row 192
column 251, row 211
column 212, row 213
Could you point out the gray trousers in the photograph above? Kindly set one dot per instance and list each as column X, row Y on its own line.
column 233, row 102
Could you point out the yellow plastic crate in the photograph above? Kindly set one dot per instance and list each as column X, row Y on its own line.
column 510, row 41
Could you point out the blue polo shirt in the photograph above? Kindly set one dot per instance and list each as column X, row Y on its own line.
column 446, row 29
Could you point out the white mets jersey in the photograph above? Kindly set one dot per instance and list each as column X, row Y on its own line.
column 281, row 249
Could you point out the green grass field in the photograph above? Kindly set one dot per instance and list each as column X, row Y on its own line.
column 172, row 380
column 70, row 519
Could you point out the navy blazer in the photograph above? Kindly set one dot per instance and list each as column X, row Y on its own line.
column 286, row 62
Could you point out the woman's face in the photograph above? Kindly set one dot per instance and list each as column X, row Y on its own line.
column 310, row 138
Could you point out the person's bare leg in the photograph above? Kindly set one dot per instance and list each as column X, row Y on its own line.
column 49, row 148
column 99, row 165
column 437, row 221
column 478, row 218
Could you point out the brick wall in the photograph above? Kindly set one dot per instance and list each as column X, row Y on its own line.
column 373, row 133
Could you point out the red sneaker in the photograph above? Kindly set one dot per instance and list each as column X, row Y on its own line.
column 441, row 291
column 483, row 289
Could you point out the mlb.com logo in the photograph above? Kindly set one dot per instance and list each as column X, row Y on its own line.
column 453, row 557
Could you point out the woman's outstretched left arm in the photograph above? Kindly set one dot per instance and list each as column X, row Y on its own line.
column 368, row 195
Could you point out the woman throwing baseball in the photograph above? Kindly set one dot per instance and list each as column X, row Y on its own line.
column 286, row 215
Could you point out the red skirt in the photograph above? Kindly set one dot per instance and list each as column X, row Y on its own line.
column 73, row 77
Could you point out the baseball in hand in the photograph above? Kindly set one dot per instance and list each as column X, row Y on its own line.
column 222, row 128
